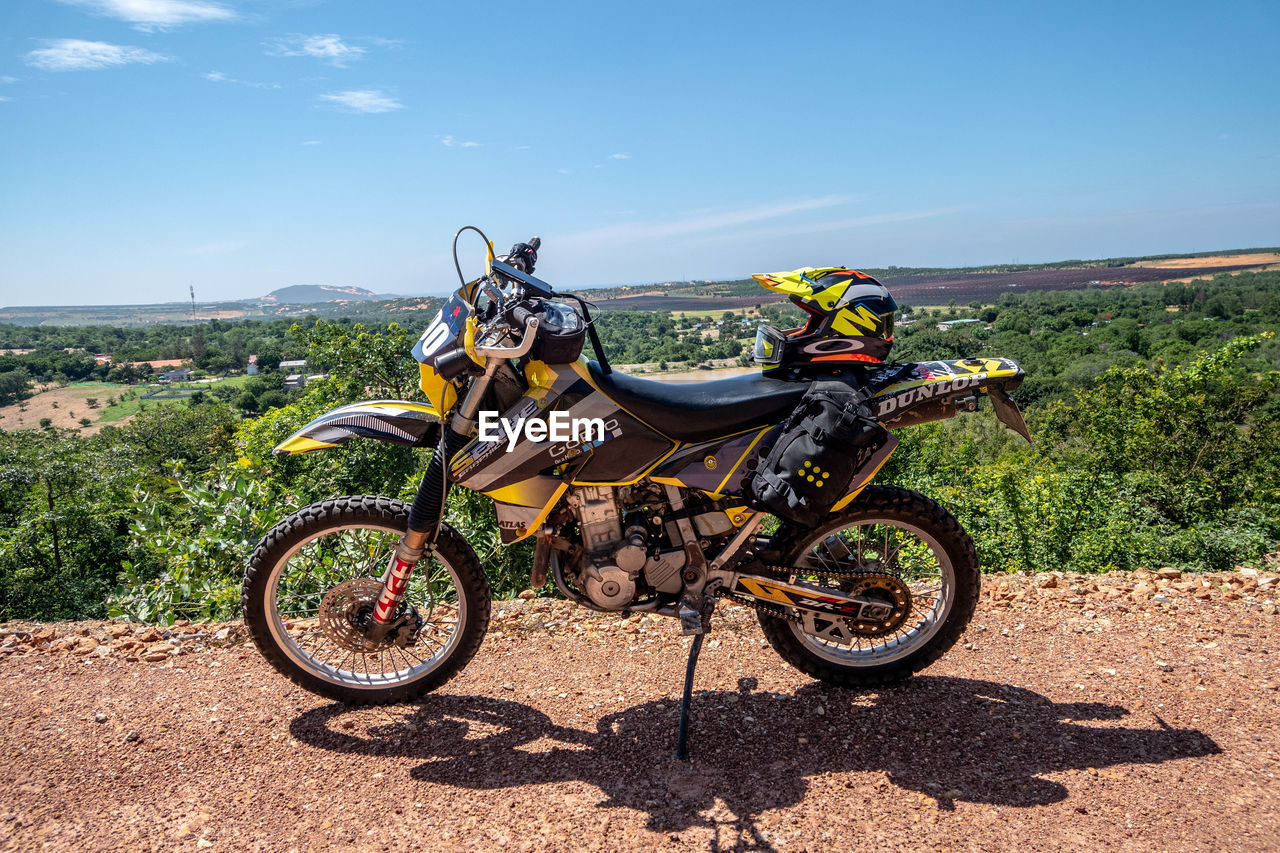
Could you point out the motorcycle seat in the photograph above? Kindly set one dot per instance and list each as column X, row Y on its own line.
column 700, row 411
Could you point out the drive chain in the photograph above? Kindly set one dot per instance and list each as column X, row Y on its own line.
column 781, row 573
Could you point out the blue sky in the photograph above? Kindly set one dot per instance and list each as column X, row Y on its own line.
column 244, row 145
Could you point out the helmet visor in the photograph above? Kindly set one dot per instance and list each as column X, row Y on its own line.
column 768, row 346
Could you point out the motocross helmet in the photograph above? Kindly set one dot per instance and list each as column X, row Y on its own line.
column 850, row 321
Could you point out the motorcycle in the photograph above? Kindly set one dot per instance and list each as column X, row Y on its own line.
column 645, row 509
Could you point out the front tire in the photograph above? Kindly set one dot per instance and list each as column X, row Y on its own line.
column 924, row 546
column 311, row 573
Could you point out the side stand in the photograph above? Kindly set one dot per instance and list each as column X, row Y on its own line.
column 695, row 619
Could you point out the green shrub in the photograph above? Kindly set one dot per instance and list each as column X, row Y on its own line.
column 190, row 551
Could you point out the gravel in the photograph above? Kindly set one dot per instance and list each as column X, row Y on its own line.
column 1126, row 710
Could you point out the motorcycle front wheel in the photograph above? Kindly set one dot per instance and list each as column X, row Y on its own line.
column 890, row 543
column 310, row 587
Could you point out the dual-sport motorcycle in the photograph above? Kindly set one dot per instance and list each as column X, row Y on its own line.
column 660, row 504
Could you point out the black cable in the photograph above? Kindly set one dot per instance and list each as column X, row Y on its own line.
column 456, row 263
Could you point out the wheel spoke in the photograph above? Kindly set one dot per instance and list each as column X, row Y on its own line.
column 321, row 593
column 883, row 546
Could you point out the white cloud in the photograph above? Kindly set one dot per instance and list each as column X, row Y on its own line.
column 8, row 79
column 362, row 101
column 312, row 142
column 619, row 156
column 450, row 142
column 78, row 55
column 3, row 99
column 641, row 232
column 845, row 224
column 329, row 47
column 151, row 15
column 219, row 77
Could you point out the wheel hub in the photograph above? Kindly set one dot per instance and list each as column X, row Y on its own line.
column 345, row 613
column 884, row 589
column 893, row 592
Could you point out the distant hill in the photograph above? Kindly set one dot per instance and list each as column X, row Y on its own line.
column 917, row 286
column 310, row 294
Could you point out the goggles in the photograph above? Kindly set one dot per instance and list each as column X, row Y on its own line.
column 769, row 345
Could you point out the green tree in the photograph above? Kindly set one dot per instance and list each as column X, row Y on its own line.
column 63, row 510
column 273, row 400
column 14, row 385
column 366, row 362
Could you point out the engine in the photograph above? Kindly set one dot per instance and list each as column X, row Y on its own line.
column 614, row 556
column 631, row 546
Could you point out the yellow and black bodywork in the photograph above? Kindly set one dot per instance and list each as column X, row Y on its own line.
column 704, row 436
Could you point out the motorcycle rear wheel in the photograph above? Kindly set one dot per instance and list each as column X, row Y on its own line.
column 923, row 546
column 313, row 573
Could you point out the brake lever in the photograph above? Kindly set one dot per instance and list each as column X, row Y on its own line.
column 526, row 343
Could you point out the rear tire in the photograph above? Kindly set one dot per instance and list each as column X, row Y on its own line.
column 363, row 530
column 948, row 612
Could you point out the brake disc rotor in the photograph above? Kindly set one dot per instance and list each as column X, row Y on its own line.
column 345, row 610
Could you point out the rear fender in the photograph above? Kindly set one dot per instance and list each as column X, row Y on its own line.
column 936, row 390
column 403, row 422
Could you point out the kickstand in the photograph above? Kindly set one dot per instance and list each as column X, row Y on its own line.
column 695, row 618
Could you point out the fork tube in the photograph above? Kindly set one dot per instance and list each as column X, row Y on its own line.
column 428, row 503
column 464, row 421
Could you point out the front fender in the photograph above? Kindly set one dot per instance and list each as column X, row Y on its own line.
column 397, row 421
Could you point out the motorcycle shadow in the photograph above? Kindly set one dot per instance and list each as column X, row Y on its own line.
column 948, row 738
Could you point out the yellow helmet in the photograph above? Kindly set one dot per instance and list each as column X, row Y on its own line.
column 850, row 320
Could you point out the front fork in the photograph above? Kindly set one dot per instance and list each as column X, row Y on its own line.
column 427, row 512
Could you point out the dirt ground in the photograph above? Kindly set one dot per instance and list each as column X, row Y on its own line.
column 1256, row 258
column 65, row 406
column 1124, row 712
column 1187, row 279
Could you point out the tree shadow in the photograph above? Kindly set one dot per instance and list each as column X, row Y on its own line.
column 949, row 738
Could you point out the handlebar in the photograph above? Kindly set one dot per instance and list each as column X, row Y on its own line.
column 526, row 342
column 506, row 287
column 521, row 315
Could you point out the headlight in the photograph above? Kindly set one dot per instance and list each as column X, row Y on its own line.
column 768, row 346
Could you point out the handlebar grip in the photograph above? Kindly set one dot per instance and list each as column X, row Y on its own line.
column 520, row 315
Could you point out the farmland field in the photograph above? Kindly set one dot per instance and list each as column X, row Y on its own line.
column 115, row 404
column 961, row 287
column 987, row 287
column 715, row 305
column 1254, row 258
